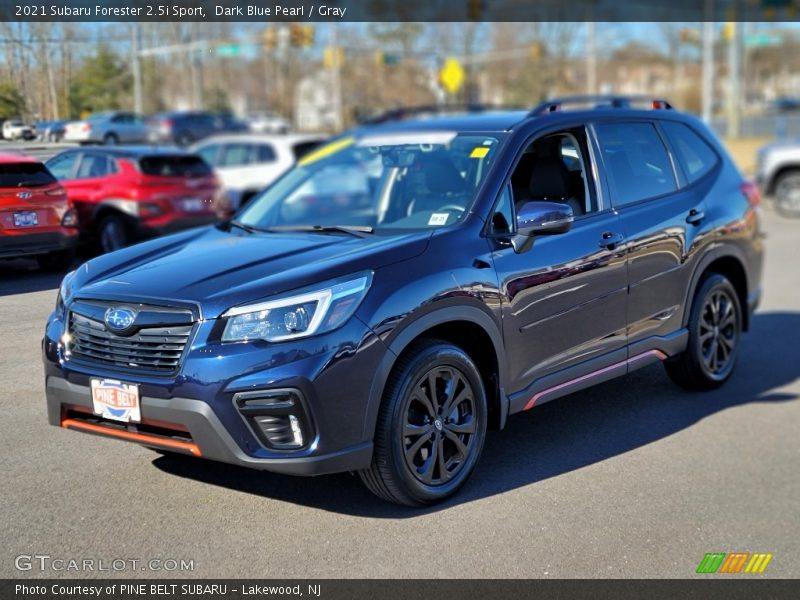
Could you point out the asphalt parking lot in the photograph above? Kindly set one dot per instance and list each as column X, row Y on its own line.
column 633, row 478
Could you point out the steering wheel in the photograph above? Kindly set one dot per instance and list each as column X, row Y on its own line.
column 449, row 207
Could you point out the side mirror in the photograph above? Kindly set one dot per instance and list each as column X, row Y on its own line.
column 540, row 218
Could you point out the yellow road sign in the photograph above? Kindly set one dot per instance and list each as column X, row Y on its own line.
column 452, row 75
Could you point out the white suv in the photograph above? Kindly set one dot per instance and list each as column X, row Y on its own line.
column 778, row 175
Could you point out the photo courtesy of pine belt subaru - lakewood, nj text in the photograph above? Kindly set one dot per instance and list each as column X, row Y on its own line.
column 408, row 286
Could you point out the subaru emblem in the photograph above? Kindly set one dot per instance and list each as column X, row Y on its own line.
column 119, row 319
column 23, row 195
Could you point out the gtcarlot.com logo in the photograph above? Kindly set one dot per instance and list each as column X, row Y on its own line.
column 45, row 562
column 734, row 562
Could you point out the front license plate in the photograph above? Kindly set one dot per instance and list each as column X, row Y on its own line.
column 192, row 205
column 112, row 399
column 29, row 218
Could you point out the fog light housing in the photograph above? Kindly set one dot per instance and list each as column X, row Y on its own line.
column 70, row 218
column 278, row 418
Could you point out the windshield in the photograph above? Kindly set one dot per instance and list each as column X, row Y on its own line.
column 381, row 181
column 24, row 175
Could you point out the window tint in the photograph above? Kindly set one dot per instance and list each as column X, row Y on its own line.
column 694, row 154
column 636, row 162
column 174, row 166
column 24, row 175
column 63, row 166
column 93, row 165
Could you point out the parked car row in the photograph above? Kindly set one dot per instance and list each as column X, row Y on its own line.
column 115, row 195
column 181, row 128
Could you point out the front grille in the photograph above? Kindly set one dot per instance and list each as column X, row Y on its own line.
column 157, row 349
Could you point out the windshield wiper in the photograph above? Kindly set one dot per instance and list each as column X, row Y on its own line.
column 30, row 183
column 246, row 227
column 359, row 231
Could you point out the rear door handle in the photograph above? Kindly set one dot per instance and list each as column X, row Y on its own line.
column 610, row 239
column 695, row 216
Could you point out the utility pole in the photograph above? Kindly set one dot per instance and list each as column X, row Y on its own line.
column 708, row 66
column 336, row 83
column 734, row 81
column 138, row 103
column 591, row 54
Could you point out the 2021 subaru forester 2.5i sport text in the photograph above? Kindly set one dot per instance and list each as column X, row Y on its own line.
column 408, row 286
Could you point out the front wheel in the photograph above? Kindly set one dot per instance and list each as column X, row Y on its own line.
column 787, row 194
column 113, row 233
column 431, row 426
column 715, row 327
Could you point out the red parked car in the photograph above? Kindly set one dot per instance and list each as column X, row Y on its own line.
column 127, row 194
column 36, row 217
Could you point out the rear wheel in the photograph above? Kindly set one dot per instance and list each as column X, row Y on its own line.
column 787, row 194
column 111, row 139
column 59, row 260
column 113, row 233
column 431, row 426
column 715, row 327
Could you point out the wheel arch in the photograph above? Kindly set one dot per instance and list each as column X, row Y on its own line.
column 467, row 327
column 777, row 174
column 729, row 264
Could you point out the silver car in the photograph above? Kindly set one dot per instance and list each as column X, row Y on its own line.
column 111, row 127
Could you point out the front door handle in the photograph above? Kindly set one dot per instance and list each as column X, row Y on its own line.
column 610, row 240
column 695, row 217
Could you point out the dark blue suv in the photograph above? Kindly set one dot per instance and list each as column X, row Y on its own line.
column 408, row 286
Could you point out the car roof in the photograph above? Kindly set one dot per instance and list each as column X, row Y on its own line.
column 254, row 138
column 134, row 151
column 9, row 158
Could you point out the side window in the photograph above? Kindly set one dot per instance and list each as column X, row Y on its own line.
column 636, row 162
column 555, row 168
column 265, row 153
column 62, row 167
column 693, row 153
column 235, row 155
column 92, row 165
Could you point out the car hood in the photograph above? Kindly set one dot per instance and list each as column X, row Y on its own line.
column 216, row 269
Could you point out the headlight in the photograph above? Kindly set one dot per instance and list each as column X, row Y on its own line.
column 65, row 290
column 301, row 315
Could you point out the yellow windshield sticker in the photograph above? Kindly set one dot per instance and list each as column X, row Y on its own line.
column 479, row 152
column 326, row 151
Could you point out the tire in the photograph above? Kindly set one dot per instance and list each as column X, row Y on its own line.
column 406, row 468
column 787, row 194
column 59, row 260
column 715, row 330
column 110, row 139
column 113, row 233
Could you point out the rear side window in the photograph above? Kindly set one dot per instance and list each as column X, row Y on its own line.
column 209, row 153
column 174, row 166
column 264, row 153
column 693, row 152
column 25, row 175
column 636, row 161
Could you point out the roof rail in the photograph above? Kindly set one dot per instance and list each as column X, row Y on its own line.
column 601, row 101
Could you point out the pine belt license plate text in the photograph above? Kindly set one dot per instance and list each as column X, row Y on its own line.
column 112, row 399
column 29, row 218
column 192, row 204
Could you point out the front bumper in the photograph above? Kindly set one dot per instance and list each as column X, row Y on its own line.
column 196, row 410
column 32, row 244
column 199, row 432
column 172, row 223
